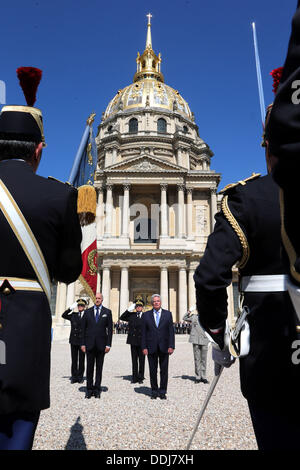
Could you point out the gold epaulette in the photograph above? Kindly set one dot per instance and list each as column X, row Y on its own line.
column 55, row 179
column 241, row 182
column 238, row 230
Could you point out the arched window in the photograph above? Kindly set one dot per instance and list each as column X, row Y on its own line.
column 133, row 126
column 161, row 126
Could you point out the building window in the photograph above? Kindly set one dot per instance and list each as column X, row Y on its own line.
column 185, row 129
column 161, row 126
column 133, row 126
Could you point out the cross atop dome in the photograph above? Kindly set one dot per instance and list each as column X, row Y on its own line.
column 149, row 18
column 149, row 39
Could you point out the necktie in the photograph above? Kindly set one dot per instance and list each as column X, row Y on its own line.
column 157, row 318
column 97, row 314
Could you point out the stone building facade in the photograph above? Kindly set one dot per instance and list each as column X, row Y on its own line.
column 157, row 195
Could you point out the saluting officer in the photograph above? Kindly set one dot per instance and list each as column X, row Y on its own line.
column 40, row 241
column 77, row 355
column 247, row 232
column 134, row 338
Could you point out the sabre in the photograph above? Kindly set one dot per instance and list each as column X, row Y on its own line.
column 259, row 79
column 218, row 372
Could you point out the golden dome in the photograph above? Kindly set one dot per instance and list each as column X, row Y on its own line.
column 148, row 89
column 148, row 93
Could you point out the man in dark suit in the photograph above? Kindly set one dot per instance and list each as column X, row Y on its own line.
column 158, row 342
column 96, row 341
column 50, row 210
column 77, row 355
column 134, row 338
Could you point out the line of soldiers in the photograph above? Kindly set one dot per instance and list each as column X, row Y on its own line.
column 181, row 328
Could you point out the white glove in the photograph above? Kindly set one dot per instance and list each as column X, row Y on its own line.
column 131, row 308
column 74, row 305
column 222, row 357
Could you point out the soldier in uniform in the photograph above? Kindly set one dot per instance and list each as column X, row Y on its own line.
column 247, row 232
column 282, row 135
column 134, row 338
column 40, row 241
column 200, row 346
column 77, row 355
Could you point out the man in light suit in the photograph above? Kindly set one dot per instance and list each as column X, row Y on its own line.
column 96, row 341
column 158, row 342
column 200, row 346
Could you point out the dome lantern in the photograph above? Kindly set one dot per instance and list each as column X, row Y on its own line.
column 148, row 64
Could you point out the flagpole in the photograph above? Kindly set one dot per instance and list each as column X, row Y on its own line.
column 79, row 155
column 259, row 79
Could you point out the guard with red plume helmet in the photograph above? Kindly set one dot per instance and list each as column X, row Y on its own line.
column 276, row 75
column 24, row 122
column 40, row 244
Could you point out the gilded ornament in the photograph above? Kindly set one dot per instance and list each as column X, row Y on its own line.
column 91, row 263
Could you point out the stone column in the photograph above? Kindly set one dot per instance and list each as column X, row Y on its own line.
column 163, row 210
column 124, row 291
column 70, row 294
column 190, row 213
column 109, row 211
column 180, row 212
column 125, row 211
column 61, row 300
column 213, row 206
column 192, row 290
column 106, row 286
column 182, row 290
column 100, row 213
column 164, row 288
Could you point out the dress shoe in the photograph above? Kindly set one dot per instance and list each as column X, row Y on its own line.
column 162, row 396
column 80, row 380
column 97, row 394
column 153, row 396
column 88, row 394
column 197, row 381
column 205, row 381
column 73, row 380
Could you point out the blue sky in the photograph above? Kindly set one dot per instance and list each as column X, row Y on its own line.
column 87, row 51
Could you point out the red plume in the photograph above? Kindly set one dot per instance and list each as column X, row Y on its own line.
column 276, row 74
column 30, row 78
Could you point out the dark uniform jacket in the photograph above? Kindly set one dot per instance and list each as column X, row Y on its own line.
column 153, row 337
column 76, row 326
column 267, row 371
column 96, row 335
column 50, row 209
column 134, row 320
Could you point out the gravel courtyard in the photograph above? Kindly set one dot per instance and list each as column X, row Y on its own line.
column 125, row 418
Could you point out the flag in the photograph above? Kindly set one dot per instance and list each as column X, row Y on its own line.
column 82, row 176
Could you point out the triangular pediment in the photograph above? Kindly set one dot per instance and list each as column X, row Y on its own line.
column 145, row 163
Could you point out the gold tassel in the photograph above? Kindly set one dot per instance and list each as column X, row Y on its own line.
column 86, row 204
